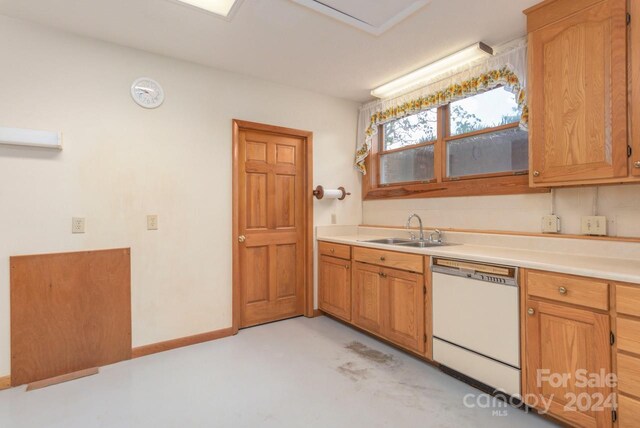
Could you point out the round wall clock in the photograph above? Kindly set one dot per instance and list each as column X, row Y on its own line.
column 147, row 92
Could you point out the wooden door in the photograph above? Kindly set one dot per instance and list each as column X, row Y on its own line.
column 560, row 340
column 271, row 225
column 403, row 297
column 577, row 97
column 367, row 297
column 334, row 286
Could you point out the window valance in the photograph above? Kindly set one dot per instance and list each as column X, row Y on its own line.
column 507, row 68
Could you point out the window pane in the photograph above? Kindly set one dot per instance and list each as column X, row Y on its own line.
column 410, row 130
column 499, row 151
column 487, row 110
column 407, row 165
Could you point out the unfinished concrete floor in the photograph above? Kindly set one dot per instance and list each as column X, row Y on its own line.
column 296, row 373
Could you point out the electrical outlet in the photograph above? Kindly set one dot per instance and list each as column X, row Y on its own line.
column 77, row 225
column 152, row 222
column 594, row 225
column 334, row 219
column 550, row 224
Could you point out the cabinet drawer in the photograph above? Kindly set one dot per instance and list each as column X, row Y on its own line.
column 629, row 374
column 404, row 261
column 628, row 412
column 334, row 250
column 569, row 289
column 628, row 335
column 628, row 300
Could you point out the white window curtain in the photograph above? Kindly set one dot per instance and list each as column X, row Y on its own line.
column 508, row 68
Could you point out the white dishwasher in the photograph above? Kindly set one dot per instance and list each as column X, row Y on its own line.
column 476, row 322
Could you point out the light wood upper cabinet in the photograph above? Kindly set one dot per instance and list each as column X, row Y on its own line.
column 334, row 286
column 560, row 341
column 634, row 71
column 577, row 92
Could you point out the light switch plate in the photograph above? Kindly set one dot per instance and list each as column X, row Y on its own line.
column 594, row 225
column 77, row 225
column 550, row 224
column 152, row 222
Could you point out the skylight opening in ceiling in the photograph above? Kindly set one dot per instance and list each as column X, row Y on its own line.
column 372, row 17
column 222, row 8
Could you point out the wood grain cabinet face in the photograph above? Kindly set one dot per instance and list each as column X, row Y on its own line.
column 391, row 304
column 560, row 340
column 334, row 286
column 634, row 67
column 367, row 297
column 577, row 94
column 404, row 321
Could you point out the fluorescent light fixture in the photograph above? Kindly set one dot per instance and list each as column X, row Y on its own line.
column 223, row 8
column 433, row 70
column 31, row 138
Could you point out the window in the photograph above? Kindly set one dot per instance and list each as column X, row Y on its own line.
column 407, row 153
column 471, row 146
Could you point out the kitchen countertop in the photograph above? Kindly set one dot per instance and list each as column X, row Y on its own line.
column 613, row 269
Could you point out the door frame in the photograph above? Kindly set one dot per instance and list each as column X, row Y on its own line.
column 307, row 207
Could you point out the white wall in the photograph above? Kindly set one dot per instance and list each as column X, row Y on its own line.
column 121, row 162
column 621, row 205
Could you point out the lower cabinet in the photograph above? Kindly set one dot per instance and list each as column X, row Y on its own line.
column 390, row 303
column 627, row 356
column 567, row 356
column 334, row 286
column 367, row 297
column 565, row 346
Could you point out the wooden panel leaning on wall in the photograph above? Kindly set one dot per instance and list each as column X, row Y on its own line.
column 69, row 312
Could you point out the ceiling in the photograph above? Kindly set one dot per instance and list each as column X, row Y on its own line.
column 285, row 42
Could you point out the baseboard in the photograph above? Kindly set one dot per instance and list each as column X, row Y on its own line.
column 154, row 348
column 317, row 313
column 5, row 382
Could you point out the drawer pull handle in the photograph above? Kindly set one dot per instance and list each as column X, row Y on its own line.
column 536, row 173
column 383, row 275
column 331, row 250
column 346, row 266
column 636, row 164
column 531, row 311
column 562, row 290
column 382, row 258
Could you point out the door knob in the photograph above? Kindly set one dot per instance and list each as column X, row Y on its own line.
column 636, row 164
column 536, row 173
column 242, row 238
column 531, row 311
column 562, row 290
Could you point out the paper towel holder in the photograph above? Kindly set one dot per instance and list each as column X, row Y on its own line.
column 319, row 193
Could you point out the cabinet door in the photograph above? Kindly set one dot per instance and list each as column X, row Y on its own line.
column 366, row 310
column 334, row 286
column 403, row 296
column 563, row 346
column 634, row 68
column 577, row 93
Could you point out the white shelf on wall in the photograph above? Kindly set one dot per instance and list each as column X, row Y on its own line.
column 30, row 138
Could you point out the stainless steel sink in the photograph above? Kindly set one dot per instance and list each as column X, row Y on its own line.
column 389, row 241
column 423, row 244
column 407, row 243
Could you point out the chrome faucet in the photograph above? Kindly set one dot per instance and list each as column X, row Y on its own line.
column 438, row 239
column 419, row 221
